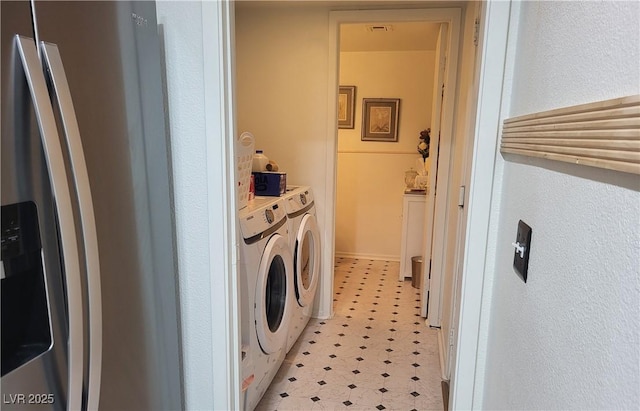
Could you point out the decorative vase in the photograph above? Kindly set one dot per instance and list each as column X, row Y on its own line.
column 410, row 177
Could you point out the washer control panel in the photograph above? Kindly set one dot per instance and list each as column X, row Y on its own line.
column 261, row 219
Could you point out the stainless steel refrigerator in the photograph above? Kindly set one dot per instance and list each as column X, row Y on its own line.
column 89, row 294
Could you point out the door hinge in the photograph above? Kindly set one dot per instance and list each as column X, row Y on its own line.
column 452, row 335
column 461, row 197
column 476, row 32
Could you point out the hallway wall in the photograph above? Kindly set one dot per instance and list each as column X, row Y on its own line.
column 570, row 337
column 371, row 174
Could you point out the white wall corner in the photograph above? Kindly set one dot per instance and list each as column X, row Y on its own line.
column 472, row 299
column 183, row 37
column 494, row 218
column 218, row 50
column 198, row 57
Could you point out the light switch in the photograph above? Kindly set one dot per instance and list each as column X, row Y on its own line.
column 522, row 249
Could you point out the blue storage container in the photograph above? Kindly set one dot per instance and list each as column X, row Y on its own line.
column 270, row 183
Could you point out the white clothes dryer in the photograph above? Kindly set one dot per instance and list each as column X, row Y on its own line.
column 304, row 239
column 266, row 281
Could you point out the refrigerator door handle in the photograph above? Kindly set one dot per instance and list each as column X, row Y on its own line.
column 53, row 63
column 62, row 198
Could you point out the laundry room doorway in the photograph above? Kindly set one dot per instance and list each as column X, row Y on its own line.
column 382, row 67
column 369, row 180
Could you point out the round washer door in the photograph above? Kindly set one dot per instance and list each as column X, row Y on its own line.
column 307, row 260
column 275, row 283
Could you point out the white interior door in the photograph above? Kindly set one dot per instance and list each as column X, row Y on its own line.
column 431, row 288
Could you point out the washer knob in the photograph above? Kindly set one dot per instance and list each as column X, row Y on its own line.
column 268, row 214
column 303, row 198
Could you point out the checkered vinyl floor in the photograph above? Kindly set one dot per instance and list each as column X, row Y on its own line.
column 376, row 353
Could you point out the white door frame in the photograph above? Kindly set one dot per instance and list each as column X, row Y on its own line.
column 467, row 365
column 218, row 28
column 451, row 16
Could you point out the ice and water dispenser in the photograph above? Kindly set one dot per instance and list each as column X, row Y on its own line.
column 26, row 330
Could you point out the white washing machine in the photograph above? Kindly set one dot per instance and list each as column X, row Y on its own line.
column 304, row 240
column 266, row 281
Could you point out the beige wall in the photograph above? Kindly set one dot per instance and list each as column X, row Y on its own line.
column 281, row 90
column 371, row 174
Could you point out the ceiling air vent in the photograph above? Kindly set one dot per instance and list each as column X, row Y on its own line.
column 379, row 27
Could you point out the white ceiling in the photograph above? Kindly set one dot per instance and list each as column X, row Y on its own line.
column 402, row 37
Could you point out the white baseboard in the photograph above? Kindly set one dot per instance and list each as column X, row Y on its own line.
column 361, row 256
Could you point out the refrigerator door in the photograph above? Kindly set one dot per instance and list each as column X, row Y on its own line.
column 73, row 145
column 111, row 56
column 35, row 328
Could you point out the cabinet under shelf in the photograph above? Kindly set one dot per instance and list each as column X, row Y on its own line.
column 413, row 223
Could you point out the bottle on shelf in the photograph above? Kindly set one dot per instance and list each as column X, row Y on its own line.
column 260, row 162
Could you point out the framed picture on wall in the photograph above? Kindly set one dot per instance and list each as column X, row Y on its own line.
column 346, row 105
column 380, row 119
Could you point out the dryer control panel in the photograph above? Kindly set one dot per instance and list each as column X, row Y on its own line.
column 261, row 219
column 299, row 200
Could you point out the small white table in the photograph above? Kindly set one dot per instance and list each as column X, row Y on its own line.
column 413, row 218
